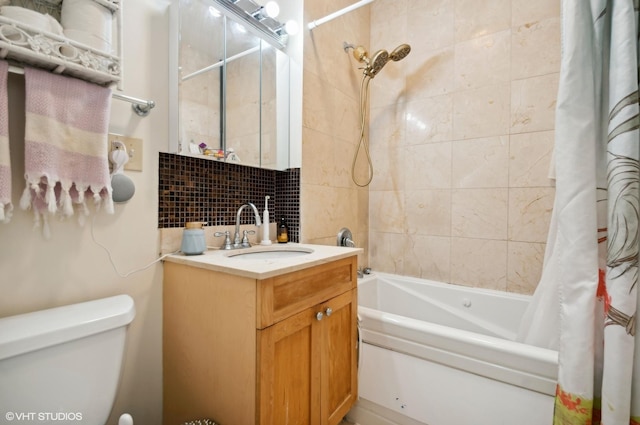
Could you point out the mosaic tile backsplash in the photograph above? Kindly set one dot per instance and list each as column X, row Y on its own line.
column 198, row 189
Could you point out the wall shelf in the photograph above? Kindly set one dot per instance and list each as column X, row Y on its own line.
column 22, row 44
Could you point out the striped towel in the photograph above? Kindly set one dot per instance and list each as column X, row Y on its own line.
column 6, row 207
column 66, row 128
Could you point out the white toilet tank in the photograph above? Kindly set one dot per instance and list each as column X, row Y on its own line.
column 62, row 365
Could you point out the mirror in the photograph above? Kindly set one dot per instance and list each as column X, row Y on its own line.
column 232, row 85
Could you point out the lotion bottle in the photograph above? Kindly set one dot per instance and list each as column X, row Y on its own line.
column 265, row 223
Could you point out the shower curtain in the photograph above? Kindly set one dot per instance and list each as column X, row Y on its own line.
column 586, row 301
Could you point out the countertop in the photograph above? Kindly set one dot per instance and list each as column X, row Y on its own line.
column 223, row 260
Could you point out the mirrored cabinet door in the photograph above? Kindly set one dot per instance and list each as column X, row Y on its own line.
column 242, row 93
column 233, row 90
column 201, row 58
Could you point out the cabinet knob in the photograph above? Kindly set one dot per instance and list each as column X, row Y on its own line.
column 328, row 311
column 319, row 315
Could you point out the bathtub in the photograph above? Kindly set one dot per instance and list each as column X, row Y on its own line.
column 441, row 354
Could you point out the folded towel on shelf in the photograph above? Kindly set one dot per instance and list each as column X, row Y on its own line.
column 66, row 128
column 6, row 206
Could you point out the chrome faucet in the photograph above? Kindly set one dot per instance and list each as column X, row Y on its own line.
column 244, row 242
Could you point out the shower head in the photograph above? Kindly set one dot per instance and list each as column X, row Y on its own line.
column 376, row 63
column 380, row 58
column 400, row 52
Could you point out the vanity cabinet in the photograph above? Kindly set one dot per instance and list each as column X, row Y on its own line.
column 242, row 351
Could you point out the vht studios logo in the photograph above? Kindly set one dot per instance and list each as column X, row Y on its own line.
column 43, row 416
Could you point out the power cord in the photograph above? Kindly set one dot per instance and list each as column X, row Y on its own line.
column 113, row 265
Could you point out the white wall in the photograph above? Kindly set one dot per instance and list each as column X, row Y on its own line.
column 36, row 273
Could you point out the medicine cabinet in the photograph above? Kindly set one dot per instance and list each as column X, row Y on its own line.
column 235, row 95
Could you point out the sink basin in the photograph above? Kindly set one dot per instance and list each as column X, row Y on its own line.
column 274, row 253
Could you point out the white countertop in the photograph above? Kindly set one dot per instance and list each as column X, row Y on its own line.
column 223, row 260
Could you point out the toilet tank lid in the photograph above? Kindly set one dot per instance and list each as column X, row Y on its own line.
column 32, row 331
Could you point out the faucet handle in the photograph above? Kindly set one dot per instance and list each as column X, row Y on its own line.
column 245, row 238
column 227, row 239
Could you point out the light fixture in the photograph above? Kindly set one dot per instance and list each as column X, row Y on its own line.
column 268, row 11
column 272, row 9
column 261, row 15
column 291, row 27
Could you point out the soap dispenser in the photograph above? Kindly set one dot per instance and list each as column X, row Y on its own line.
column 283, row 231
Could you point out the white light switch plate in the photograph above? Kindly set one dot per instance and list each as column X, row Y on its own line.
column 134, row 149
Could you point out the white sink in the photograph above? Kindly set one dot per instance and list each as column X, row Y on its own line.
column 269, row 253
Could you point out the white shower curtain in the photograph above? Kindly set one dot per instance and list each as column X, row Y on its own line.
column 586, row 302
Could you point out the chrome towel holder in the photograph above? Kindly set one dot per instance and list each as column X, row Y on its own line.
column 139, row 106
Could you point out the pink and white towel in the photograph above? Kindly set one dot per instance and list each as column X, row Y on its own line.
column 6, row 206
column 67, row 122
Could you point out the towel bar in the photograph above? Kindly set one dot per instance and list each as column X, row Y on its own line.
column 139, row 106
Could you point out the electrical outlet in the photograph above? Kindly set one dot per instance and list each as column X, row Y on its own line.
column 134, row 149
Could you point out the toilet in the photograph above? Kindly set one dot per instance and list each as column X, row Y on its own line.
column 62, row 365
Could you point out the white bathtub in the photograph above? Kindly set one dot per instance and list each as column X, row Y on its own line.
column 442, row 354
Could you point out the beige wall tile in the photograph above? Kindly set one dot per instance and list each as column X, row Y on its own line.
column 530, row 157
column 390, row 211
column 430, row 24
column 429, row 120
column 386, row 252
column 478, row 18
column 530, row 213
column 533, row 103
column 527, row 58
column 345, row 116
column 318, row 205
column 389, row 24
column 524, row 269
column 481, row 162
column 430, row 73
column 317, row 104
column 527, row 11
column 483, row 61
column 317, row 163
column 428, row 257
column 326, row 210
column 342, row 152
column 388, row 168
column 481, row 112
column 480, row 263
column 388, row 87
column 386, row 127
column 479, row 213
column 428, row 166
column 428, row 212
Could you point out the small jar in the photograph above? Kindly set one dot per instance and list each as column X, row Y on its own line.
column 283, row 231
column 193, row 240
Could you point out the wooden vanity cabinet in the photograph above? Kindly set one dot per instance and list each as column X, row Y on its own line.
column 246, row 351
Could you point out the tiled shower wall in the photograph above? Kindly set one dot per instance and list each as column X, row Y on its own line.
column 330, row 129
column 461, row 138
column 198, row 189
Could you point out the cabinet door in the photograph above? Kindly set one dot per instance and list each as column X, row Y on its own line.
column 289, row 371
column 339, row 363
